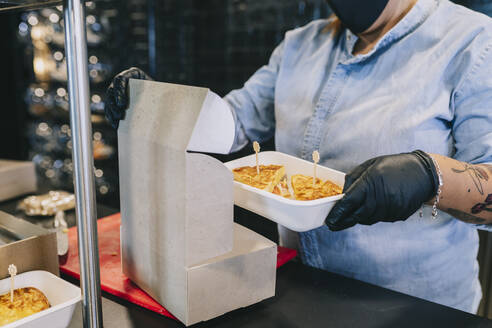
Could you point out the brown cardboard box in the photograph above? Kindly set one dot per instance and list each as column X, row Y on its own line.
column 178, row 239
column 16, row 178
column 34, row 248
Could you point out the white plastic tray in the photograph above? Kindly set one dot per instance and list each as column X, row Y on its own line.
column 296, row 215
column 63, row 298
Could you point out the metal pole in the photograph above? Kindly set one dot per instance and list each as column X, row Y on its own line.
column 83, row 162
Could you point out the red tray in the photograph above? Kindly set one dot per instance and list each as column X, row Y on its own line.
column 112, row 279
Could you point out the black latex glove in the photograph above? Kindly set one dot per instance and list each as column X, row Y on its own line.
column 387, row 188
column 117, row 94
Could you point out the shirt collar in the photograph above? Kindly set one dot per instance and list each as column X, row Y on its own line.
column 412, row 20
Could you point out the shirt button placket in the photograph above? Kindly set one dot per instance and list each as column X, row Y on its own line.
column 326, row 103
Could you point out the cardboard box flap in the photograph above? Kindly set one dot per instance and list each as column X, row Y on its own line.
column 18, row 228
column 215, row 129
column 245, row 242
column 209, row 208
column 180, row 117
column 34, row 248
column 237, row 279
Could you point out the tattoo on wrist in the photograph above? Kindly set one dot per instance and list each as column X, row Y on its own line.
column 485, row 206
column 478, row 173
column 476, row 209
column 465, row 217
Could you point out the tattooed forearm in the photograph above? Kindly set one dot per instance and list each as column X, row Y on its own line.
column 478, row 173
column 466, row 192
column 485, row 206
column 465, row 217
column 476, row 209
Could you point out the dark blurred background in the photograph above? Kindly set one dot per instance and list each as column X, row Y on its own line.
column 212, row 43
column 215, row 43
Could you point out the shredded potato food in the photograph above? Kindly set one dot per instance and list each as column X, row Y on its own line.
column 272, row 178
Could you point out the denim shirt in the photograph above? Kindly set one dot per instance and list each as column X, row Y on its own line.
column 427, row 85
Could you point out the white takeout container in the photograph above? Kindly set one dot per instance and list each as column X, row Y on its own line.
column 297, row 215
column 63, row 298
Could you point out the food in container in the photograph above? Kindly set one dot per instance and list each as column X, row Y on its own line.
column 271, row 178
column 304, row 189
column 25, row 302
column 297, row 215
column 61, row 295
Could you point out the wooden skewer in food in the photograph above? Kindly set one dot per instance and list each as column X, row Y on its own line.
column 316, row 161
column 256, row 147
column 12, row 272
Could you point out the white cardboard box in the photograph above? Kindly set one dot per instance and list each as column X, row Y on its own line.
column 178, row 240
column 16, row 178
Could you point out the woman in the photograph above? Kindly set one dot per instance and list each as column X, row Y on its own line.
column 405, row 88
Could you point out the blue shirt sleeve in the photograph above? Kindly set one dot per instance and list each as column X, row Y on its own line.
column 472, row 124
column 253, row 105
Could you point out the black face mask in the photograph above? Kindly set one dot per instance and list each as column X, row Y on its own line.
column 358, row 15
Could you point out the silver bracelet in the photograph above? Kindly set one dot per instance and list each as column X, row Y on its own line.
column 439, row 190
